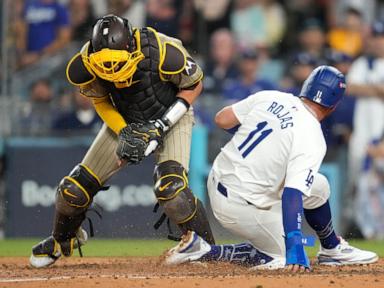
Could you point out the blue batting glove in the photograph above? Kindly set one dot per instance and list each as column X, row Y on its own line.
column 295, row 253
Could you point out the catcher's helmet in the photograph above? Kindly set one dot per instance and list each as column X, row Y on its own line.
column 115, row 50
column 112, row 32
column 324, row 86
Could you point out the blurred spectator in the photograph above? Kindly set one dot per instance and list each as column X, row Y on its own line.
column 299, row 69
column 17, row 24
column 365, row 81
column 215, row 13
column 1, row 24
column 189, row 26
column 43, row 30
column 275, row 21
column 312, row 38
column 82, row 19
column 100, row 8
column 298, row 11
column 3, row 200
column 133, row 10
column 347, row 37
column 340, row 60
column 83, row 117
column 164, row 16
column 248, row 23
column 338, row 126
column 248, row 82
column 369, row 205
column 368, row 9
column 220, row 67
column 37, row 114
column 258, row 23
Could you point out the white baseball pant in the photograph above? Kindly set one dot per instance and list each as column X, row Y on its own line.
column 261, row 227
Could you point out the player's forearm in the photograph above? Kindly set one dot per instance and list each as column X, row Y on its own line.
column 190, row 95
column 380, row 90
column 226, row 118
column 177, row 110
column 292, row 203
column 171, row 116
column 366, row 90
column 63, row 38
column 109, row 114
column 21, row 35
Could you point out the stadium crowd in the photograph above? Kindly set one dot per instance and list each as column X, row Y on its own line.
column 244, row 46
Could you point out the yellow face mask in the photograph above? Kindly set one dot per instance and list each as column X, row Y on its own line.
column 116, row 66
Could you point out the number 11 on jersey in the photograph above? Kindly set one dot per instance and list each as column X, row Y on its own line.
column 263, row 133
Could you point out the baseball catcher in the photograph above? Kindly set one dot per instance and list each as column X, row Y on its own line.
column 142, row 84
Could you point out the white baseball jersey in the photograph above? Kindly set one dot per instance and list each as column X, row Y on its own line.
column 279, row 144
column 368, row 122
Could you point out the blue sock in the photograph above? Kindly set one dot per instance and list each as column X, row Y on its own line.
column 243, row 254
column 320, row 219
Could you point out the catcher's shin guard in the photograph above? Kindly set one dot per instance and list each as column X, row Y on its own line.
column 178, row 201
column 74, row 195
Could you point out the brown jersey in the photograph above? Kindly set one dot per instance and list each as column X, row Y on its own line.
column 166, row 68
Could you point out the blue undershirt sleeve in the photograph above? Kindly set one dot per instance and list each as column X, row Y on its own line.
column 233, row 129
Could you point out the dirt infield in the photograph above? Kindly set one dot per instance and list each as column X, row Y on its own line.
column 149, row 272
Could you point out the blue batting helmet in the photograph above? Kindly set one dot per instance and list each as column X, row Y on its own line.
column 324, row 86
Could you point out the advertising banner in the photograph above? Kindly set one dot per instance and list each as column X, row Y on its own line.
column 34, row 170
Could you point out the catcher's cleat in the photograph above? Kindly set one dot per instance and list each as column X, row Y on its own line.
column 49, row 250
column 345, row 254
column 191, row 248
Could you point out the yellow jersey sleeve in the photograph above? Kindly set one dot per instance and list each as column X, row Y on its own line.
column 109, row 114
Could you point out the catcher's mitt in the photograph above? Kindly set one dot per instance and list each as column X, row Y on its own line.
column 130, row 148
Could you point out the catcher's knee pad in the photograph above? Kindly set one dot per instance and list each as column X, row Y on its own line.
column 319, row 194
column 179, row 203
column 76, row 191
column 172, row 191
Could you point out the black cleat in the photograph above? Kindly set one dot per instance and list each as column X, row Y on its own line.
column 49, row 250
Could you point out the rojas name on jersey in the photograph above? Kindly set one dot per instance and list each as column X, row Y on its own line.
column 282, row 114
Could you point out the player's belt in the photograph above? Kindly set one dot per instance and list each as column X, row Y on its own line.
column 223, row 190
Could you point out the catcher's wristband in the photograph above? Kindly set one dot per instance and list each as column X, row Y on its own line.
column 174, row 113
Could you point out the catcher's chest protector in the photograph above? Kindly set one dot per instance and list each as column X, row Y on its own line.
column 148, row 97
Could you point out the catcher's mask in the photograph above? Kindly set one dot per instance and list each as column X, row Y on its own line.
column 115, row 50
